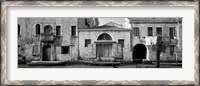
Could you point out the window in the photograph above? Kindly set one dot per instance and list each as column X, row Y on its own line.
column 58, row 30
column 121, row 41
column 159, row 31
column 18, row 30
column 150, row 31
column 65, row 49
column 136, row 31
column 172, row 32
column 171, row 49
column 37, row 29
column 73, row 30
column 35, row 49
column 104, row 36
column 87, row 42
column 48, row 29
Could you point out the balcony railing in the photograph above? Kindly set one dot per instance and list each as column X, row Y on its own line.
column 47, row 37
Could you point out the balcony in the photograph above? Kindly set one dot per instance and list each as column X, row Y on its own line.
column 47, row 38
column 173, row 42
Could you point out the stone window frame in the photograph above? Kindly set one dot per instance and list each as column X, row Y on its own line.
column 150, row 27
column 157, row 31
column 120, row 43
column 174, row 30
column 73, row 35
column 37, row 32
column 60, row 30
column 62, row 49
column 136, row 31
column 87, row 42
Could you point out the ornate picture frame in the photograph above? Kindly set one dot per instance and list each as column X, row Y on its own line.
column 5, row 4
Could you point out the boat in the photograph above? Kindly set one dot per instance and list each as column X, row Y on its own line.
column 46, row 63
column 100, row 62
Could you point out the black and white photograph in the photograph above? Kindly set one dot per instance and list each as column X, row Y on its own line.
column 99, row 42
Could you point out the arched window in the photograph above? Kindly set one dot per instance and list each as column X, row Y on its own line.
column 37, row 29
column 104, row 36
column 48, row 29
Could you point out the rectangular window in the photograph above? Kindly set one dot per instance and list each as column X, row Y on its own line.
column 121, row 41
column 58, row 30
column 65, row 50
column 172, row 32
column 171, row 49
column 159, row 31
column 136, row 31
column 18, row 30
column 73, row 30
column 87, row 42
column 150, row 31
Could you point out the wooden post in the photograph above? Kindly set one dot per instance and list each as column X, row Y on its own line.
column 158, row 56
column 159, row 44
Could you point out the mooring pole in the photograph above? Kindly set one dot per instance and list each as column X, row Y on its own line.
column 158, row 50
column 158, row 57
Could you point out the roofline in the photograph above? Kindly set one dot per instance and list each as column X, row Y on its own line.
column 104, row 29
column 155, row 20
column 112, row 22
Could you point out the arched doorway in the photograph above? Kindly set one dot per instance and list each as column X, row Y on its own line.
column 104, row 49
column 46, row 53
column 139, row 52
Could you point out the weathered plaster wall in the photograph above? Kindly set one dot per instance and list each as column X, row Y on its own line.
column 28, row 37
column 93, row 35
column 143, row 36
column 144, row 28
column 68, row 39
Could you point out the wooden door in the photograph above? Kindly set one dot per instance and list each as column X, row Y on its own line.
column 46, row 53
column 104, row 50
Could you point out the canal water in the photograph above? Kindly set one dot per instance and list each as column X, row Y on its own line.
column 99, row 66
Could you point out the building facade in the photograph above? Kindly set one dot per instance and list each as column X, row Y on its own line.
column 61, row 39
column 47, row 39
column 144, row 34
column 105, row 42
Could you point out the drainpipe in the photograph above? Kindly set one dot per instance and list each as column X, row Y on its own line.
column 78, row 42
column 158, row 51
column 40, row 48
column 131, row 39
